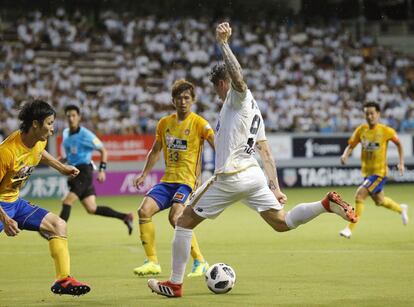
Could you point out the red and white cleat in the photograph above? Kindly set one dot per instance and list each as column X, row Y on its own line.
column 333, row 202
column 166, row 288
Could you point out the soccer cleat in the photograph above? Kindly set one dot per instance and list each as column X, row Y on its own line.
column 404, row 214
column 166, row 288
column 71, row 286
column 148, row 268
column 199, row 268
column 129, row 222
column 333, row 202
column 346, row 233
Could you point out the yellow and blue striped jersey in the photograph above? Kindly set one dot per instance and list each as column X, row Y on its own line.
column 17, row 163
column 182, row 144
column 374, row 144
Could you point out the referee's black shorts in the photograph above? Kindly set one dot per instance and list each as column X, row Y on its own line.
column 82, row 184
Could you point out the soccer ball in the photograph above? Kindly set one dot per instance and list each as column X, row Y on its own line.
column 220, row 278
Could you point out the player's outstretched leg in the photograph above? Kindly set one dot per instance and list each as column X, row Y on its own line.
column 147, row 237
column 165, row 288
column 335, row 204
column 70, row 286
column 404, row 214
column 58, row 246
column 359, row 209
column 129, row 222
column 127, row 218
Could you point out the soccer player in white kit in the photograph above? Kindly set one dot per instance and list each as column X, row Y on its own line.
column 238, row 177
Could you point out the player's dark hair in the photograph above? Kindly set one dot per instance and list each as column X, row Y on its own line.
column 72, row 107
column 182, row 85
column 371, row 104
column 219, row 72
column 34, row 110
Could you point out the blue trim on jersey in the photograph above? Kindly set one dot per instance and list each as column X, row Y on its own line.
column 165, row 194
column 80, row 146
column 374, row 183
column 26, row 215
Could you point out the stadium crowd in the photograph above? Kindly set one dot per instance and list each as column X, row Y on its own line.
column 311, row 79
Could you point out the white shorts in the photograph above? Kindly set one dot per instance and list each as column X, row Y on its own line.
column 220, row 191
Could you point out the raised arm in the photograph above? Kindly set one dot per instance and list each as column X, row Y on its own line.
column 223, row 33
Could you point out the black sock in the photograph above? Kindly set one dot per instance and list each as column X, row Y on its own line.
column 107, row 211
column 65, row 213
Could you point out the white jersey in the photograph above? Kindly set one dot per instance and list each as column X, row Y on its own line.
column 239, row 126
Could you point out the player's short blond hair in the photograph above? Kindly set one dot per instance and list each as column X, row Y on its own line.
column 182, row 85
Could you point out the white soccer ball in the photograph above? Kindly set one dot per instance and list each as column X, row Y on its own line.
column 220, row 278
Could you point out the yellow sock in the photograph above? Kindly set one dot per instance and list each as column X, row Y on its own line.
column 359, row 209
column 195, row 250
column 58, row 247
column 390, row 204
column 147, row 235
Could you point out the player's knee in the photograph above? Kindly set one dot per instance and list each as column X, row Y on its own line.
column 359, row 198
column 144, row 213
column 58, row 227
column 91, row 209
column 173, row 219
column 187, row 220
column 182, row 221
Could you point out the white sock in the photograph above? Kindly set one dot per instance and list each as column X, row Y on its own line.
column 303, row 213
column 181, row 247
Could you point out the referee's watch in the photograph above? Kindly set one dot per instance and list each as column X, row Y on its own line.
column 102, row 166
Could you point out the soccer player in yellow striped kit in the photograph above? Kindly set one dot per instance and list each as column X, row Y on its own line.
column 180, row 136
column 20, row 153
column 374, row 138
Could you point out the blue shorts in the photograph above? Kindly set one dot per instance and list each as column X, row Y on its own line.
column 165, row 194
column 374, row 183
column 26, row 215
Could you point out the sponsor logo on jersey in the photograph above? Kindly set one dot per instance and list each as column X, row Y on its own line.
column 370, row 146
column 176, row 144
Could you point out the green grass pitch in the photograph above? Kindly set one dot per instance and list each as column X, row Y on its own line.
column 309, row 266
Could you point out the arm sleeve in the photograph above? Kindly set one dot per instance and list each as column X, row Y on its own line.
column 392, row 135
column 91, row 138
column 5, row 162
column 261, row 135
column 237, row 98
column 205, row 129
column 158, row 133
